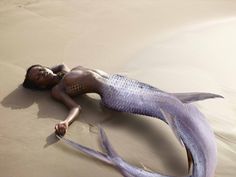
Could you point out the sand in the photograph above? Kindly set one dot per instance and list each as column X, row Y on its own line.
column 177, row 46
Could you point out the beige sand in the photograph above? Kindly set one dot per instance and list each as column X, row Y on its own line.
column 177, row 46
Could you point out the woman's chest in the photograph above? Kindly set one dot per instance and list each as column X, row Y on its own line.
column 75, row 84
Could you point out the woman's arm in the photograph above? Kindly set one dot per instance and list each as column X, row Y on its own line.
column 74, row 108
column 59, row 68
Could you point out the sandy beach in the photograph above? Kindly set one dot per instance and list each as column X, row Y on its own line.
column 177, row 46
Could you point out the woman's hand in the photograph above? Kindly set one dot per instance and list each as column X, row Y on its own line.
column 61, row 128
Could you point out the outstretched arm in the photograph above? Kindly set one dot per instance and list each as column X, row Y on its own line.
column 74, row 108
column 59, row 68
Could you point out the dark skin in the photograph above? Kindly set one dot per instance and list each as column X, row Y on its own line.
column 79, row 80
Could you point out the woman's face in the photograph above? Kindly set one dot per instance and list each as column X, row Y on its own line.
column 41, row 76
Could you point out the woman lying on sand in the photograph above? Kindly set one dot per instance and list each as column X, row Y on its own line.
column 127, row 95
column 65, row 84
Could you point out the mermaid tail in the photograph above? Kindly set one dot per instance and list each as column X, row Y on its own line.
column 128, row 95
column 121, row 83
column 188, row 124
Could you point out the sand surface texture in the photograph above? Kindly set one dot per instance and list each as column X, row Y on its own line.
column 177, row 46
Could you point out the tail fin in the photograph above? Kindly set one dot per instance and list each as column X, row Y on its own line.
column 126, row 169
column 87, row 151
column 195, row 96
column 106, row 144
column 111, row 154
column 112, row 158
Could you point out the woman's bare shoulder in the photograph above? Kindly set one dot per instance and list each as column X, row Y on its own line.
column 56, row 91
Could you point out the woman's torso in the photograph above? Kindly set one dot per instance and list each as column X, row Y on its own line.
column 117, row 92
column 81, row 80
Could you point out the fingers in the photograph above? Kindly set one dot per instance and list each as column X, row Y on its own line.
column 61, row 129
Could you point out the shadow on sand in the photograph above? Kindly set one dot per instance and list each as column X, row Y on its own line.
column 22, row 98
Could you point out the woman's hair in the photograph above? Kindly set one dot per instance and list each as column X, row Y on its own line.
column 29, row 83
